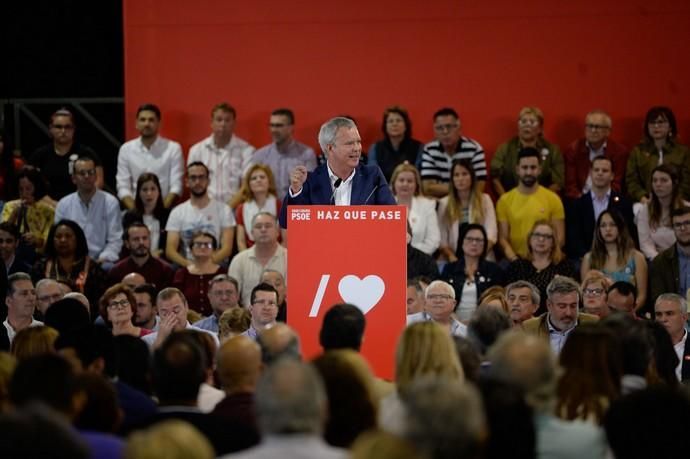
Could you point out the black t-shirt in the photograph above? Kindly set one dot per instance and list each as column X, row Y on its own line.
column 58, row 169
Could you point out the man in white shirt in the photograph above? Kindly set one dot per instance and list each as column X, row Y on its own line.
column 95, row 211
column 21, row 302
column 149, row 153
column 266, row 253
column 671, row 311
column 226, row 155
column 285, row 153
column 440, row 303
column 199, row 213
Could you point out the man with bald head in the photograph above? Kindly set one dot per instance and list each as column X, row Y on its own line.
column 279, row 342
column 133, row 280
column 528, row 362
column 239, row 367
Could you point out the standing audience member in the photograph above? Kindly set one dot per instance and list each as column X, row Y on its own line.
column 225, row 154
column 465, row 203
column 659, row 146
column 266, row 253
column 614, row 254
column 595, row 144
column 397, row 146
column 149, row 209
column 199, row 213
column 544, row 260
column 257, row 194
column 193, row 279
column 140, row 259
column 56, row 159
column 421, row 212
column 150, row 153
column 95, row 211
column 285, row 153
column 530, row 135
column 471, row 274
column 654, row 219
column 520, row 208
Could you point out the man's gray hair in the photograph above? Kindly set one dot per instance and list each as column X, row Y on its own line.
column 264, row 213
column 444, row 418
column 534, row 291
column 16, row 277
column 290, row 399
column 223, row 278
column 679, row 300
column 46, row 282
column 329, row 130
column 446, row 285
column 560, row 285
column 603, row 113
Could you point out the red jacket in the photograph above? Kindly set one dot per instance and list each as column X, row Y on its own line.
column 576, row 158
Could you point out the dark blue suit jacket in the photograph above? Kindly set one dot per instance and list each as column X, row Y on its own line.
column 369, row 186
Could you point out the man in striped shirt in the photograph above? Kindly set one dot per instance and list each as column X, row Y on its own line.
column 449, row 145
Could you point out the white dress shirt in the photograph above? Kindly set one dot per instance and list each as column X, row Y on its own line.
column 164, row 159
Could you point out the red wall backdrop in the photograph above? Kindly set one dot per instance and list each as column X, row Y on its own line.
column 486, row 59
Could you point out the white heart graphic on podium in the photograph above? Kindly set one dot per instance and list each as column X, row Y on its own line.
column 363, row 293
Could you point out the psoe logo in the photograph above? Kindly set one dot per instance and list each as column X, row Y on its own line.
column 300, row 214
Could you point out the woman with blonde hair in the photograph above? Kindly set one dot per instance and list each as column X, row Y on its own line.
column 406, row 185
column 424, row 349
column 34, row 341
column 256, row 194
column 168, row 440
column 544, row 260
column 465, row 203
column 594, row 287
column 495, row 297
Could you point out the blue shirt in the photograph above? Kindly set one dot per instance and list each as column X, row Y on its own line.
column 209, row 323
column 683, row 272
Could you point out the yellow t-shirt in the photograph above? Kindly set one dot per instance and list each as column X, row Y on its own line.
column 521, row 211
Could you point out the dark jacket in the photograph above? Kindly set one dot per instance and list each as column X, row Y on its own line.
column 665, row 273
column 487, row 275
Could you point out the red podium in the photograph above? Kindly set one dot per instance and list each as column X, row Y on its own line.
column 349, row 254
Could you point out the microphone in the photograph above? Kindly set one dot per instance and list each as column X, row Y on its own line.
column 335, row 188
column 378, row 182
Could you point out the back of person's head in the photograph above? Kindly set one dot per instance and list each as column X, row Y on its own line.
column 444, row 418
column 510, row 422
column 636, row 423
column 36, row 431
column 239, row 364
column 179, row 368
column 470, row 359
column 342, row 328
column 7, row 365
column 425, row 349
column 233, row 321
column 206, row 343
column 290, row 399
column 485, row 326
column 527, row 361
column 379, row 444
column 279, row 342
column 636, row 342
column 665, row 357
column 67, row 315
column 101, row 410
column 168, row 440
column 135, row 363
column 48, row 379
column 94, row 347
column 34, row 341
column 351, row 408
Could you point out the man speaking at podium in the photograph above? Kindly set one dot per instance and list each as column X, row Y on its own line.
column 342, row 181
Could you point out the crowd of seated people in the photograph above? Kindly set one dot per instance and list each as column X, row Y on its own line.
column 584, row 256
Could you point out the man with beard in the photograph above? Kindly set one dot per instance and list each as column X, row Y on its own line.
column 140, row 261
column 670, row 272
column 149, row 153
column 529, row 202
column 200, row 213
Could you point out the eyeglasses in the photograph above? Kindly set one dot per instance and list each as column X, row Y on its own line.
column 264, row 303
column 202, row 245
column 681, row 225
column 545, row 236
column 593, row 291
column 445, row 127
column 86, row 173
column 474, row 240
column 59, row 127
column 528, row 122
column 595, row 127
column 438, row 296
column 9, row 240
column 118, row 304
